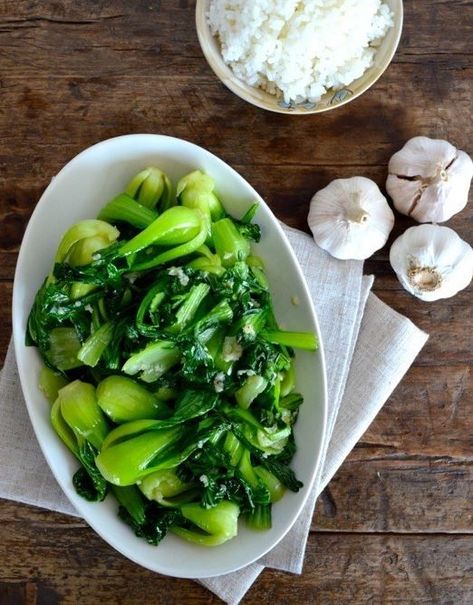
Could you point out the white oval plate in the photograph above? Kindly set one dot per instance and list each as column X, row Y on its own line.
column 81, row 188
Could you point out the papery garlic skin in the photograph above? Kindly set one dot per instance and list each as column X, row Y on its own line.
column 432, row 262
column 350, row 218
column 429, row 179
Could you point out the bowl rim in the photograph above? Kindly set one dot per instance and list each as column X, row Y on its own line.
column 18, row 339
column 238, row 87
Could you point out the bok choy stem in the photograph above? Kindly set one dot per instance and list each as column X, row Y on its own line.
column 124, row 208
column 297, row 340
column 94, row 347
column 177, row 225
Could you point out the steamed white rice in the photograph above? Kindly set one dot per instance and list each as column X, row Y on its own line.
column 299, row 49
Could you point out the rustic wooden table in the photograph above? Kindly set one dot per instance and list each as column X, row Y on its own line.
column 395, row 524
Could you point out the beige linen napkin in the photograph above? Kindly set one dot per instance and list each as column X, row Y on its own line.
column 368, row 349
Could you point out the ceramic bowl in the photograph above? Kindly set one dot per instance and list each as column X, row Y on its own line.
column 331, row 100
column 82, row 187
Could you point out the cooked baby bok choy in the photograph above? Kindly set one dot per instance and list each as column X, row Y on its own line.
column 151, row 188
column 170, row 379
column 81, row 425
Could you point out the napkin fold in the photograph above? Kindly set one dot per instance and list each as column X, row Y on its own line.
column 368, row 349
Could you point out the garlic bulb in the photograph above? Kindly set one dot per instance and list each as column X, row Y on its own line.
column 432, row 262
column 350, row 218
column 429, row 179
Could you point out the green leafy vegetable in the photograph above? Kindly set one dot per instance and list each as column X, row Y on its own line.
column 124, row 400
column 170, row 379
column 127, row 462
column 151, row 188
column 153, row 361
column 80, row 424
column 230, row 244
column 197, row 190
column 82, row 414
column 176, row 226
column 95, row 345
column 50, row 383
column 124, row 208
column 209, row 527
column 64, row 347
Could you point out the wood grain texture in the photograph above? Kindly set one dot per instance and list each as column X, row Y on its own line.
column 60, row 556
column 395, row 524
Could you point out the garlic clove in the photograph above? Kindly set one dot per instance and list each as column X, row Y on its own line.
column 432, row 262
column 429, row 179
column 350, row 218
column 403, row 189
